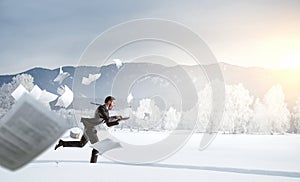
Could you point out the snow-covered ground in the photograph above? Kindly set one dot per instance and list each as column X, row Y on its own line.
column 229, row 158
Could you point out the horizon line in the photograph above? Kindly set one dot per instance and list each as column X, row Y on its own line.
column 222, row 62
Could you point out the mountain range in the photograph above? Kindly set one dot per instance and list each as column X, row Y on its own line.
column 118, row 81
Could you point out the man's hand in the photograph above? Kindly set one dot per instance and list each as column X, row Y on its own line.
column 120, row 118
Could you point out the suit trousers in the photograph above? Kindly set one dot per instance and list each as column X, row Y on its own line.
column 83, row 141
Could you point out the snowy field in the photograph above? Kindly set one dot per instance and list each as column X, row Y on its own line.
column 229, row 158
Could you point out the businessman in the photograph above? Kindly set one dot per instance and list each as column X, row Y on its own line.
column 90, row 131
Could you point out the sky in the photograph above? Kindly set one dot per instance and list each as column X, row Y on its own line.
column 260, row 33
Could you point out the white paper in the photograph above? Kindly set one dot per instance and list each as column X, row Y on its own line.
column 106, row 145
column 47, row 97
column 66, row 98
column 129, row 98
column 118, row 63
column 26, row 131
column 61, row 76
column 43, row 96
column 91, row 78
column 60, row 90
column 18, row 92
column 36, row 92
column 82, row 95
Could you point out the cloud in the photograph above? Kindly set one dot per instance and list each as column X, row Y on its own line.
column 52, row 33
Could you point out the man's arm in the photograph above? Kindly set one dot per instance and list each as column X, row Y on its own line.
column 110, row 121
column 113, row 123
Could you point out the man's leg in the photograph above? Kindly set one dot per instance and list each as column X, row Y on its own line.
column 94, row 156
column 80, row 143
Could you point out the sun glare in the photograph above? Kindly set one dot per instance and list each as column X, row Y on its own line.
column 280, row 52
column 290, row 61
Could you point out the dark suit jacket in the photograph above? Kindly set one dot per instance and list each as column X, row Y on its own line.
column 101, row 116
column 104, row 114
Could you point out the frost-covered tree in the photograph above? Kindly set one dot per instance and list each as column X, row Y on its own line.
column 259, row 122
column 271, row 115
column 277, row 112
column 296, row 116
column 171, row 119
column 6, row 100
column 190, row 120
column 148, row 114
column 237, row 109
column 25, row 79
column 210, row 106
column 205, row 107
column 132, row 123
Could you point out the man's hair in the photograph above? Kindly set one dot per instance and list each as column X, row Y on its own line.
column 109, row 98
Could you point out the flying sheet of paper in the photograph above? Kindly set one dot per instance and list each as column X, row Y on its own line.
column 36, row 92
column 82, row 95
column 129, row 98
column 18, row 92
column 43, row 96
column 26, row 131
column 66, row 98
column 47, row 97
column 60, row 90
column 106, row 145
column 91, row 78
column 118, row 63
column 61, row 76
